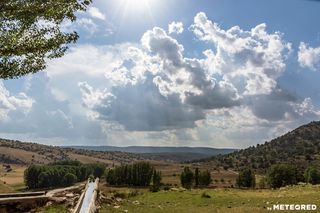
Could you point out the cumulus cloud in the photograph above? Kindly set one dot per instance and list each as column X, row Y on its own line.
column 44, row 116
column 309, row 57
column 251, row 60
column 158, row 88
column 96, row 13
column 10, row 103
column 140, row 107
column 151, row 93
column 176, row 27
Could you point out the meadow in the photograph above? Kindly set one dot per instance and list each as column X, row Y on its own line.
column 209, row 200
column 219, row 197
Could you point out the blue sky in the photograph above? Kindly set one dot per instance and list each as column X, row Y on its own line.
column 218, row 73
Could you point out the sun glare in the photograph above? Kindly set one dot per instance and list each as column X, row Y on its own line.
column 138, row 5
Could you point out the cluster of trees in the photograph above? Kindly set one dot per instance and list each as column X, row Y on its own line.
column 136, row 174
column 278, row 175
column 197, row 178
column 64, row 173
column 246, row 179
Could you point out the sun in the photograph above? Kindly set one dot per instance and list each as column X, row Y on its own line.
column 136, row 12
column 137, row 6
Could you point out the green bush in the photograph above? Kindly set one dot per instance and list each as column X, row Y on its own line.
column 280, row 175
column 187, row 178
column 205, row 195
column 246, row 179
column 205, row 178
column 312, row 175
column 156, row 181
column 69, row 179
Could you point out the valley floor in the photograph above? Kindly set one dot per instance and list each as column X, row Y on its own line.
column 220, row 200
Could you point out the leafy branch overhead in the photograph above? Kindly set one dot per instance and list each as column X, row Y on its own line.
column 30, row 33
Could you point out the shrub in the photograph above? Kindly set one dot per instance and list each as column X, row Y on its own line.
column 156, row 181
column 196, row 177
column 166, row 188
column 280, row 175
column 246, row 179
column 312, row 175
column 205, row 178
column 187, row 178
column 205, row 195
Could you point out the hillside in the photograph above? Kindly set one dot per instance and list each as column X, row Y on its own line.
column 175, row 154
column 16, row 152
column 300, row 147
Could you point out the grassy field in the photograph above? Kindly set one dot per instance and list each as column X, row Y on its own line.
column 53, row 209
column 221, row 200
column 170, row 174
column 12, row 181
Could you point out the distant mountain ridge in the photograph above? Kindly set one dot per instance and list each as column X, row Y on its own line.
column 157, row 153
column 157, row 149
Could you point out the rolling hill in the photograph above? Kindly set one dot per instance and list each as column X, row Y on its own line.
column 17, row 152
column 300, row 147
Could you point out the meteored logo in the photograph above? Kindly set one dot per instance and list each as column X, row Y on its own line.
column 293, row 207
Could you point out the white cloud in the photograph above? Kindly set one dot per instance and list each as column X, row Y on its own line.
column 309, row 57
column 151, row 93
column 251, row 60
column 96, row 13
column 10, row 103
column 176, row 27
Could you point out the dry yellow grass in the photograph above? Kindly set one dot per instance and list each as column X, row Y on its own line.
column 26, row 156
column 14, row 177
column 13, row 180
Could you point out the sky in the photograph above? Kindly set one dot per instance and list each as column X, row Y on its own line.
column 214, row 73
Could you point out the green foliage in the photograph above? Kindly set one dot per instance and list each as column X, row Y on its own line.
column 30, row 33
column 137, row 174
column 59, row 174
column 98, row 169
column 196, row 177
column 312, row 175
column 246, row 179
column 205, row 178
column 280, row 175
column 298, row 147
column 69, row 179
column 187, row 178
column 156, row 181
